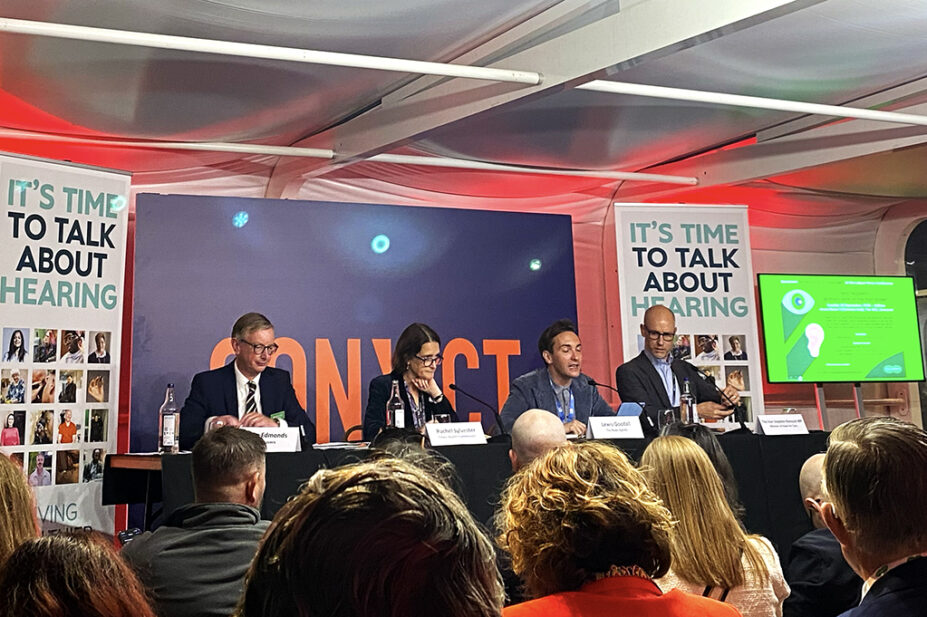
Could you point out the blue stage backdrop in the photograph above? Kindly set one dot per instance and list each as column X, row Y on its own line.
column 340, row 282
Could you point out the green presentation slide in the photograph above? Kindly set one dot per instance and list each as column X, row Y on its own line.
column 821, row 328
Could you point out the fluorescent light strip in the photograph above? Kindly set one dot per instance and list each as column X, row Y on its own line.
column 319, row 153
column 737, row 100
column 269, row 52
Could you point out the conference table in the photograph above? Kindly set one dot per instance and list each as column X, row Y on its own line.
column 766, row 469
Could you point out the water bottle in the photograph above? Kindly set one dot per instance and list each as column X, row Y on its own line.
column 688, row 412
column 395, row 408
column 169, row 424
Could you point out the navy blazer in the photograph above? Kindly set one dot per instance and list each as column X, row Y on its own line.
column 533, row 391
column 639, row 382
column 378, row 396
column 902, row 592
column 213, row 393
column 823, row 584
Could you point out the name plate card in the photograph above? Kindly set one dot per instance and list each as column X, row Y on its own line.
column 614, row 427
column 277, row 439
column 782, row 424
column 454, row 433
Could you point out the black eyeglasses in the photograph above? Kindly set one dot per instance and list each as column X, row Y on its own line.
column 259, row 349
column 431, row 360
column 655, row 334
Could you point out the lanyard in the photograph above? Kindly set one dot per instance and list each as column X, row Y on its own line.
column 564, row 417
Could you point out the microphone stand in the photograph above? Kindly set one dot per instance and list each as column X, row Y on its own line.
column 740, row 412
column 503, row 435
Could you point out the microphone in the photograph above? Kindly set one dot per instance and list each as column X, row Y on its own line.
column 495, row 414
column 740, row 412
column 644, row 414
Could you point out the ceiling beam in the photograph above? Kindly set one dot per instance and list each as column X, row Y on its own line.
column 644, row 31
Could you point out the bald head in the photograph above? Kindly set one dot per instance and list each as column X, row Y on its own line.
column 535, row 432
column 812, row 488
column 658, row 329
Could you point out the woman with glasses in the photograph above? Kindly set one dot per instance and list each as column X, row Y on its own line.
column 415, row 360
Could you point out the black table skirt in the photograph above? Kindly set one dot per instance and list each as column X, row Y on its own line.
column 766, row 469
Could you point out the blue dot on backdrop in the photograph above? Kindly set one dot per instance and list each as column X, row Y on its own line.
column 535, row 265
column 240, row 219
column 380, row 244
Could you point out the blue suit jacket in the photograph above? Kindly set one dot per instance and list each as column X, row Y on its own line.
column 822, row 583
column 901, row 592
column 212, row 393
column 533, row 391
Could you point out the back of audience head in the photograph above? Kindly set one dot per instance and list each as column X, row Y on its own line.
column 18, row 521
column 706, row 440
column 576, row 512
column 811, row 485
column 70, row 575
column 875, row 475
column 229, row 467
column 376, row 538
column 708, row 541
column 407, row 445
column 535, row 432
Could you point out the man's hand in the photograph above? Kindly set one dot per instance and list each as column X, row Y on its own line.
column 732, row 394
column 574, row 427
column 257, row 419
column 223, row 421
column 710, row 410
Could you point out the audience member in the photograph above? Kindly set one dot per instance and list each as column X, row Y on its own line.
column 588, row 538
column 244, row 392
column 194, row 564
column 415, row 360
column 535, row 432
column 70, row 575
column 706, row 440
column 559, row 387
column 875, row 475
column 822, row 583
column 18, row 521
column 712, row 555
column 377, row 538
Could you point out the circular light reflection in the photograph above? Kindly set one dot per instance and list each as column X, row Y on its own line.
column 240, row 219
column 535, row 265
column 379, row 244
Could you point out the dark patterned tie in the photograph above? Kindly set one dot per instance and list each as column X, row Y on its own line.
column 250, row 403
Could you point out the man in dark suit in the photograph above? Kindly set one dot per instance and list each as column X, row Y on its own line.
column 822, row 583
column 245, row 392
column 656, row 379
column 560, row 387
column 875, row 473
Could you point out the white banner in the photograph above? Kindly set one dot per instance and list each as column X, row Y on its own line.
column 696, row 260
column 62, row 256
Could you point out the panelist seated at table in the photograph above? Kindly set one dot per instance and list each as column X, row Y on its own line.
column 559, row 387
column 245, row 392
column 415, row 360
column 656, row 379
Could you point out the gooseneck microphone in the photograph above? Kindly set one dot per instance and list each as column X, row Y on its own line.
column 495, row 414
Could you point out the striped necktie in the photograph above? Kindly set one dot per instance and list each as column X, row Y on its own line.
column 250, row 403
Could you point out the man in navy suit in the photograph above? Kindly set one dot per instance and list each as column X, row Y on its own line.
column 560, row 387
column 656, row 379
column 875, row 474
column 245, row 392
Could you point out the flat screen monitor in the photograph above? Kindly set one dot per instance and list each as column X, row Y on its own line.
column 834, row 328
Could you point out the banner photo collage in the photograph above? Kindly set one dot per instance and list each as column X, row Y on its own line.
column 695, row 260
column 62, row 249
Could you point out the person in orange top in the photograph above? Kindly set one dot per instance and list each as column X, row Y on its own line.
column 588, row 537
column 67, row 429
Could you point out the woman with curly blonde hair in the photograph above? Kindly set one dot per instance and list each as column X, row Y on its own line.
column 588, row 537
column 712, row 555
column 18, row 521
